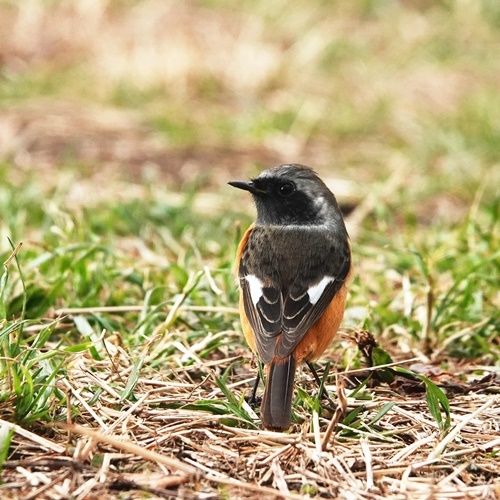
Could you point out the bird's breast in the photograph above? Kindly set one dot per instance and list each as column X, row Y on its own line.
column 281, row 253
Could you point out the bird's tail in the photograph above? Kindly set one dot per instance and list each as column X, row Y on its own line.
column 276, row 407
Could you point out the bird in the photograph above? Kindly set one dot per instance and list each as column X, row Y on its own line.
column 293, row 265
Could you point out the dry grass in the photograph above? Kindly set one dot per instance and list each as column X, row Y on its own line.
column 148, row 446
column 107, row 108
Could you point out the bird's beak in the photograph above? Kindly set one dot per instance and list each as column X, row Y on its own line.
column 246, row 186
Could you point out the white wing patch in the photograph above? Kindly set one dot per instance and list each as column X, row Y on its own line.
column 255, row 287
column 317, row 290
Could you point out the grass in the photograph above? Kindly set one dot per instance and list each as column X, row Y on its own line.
column 118, row 311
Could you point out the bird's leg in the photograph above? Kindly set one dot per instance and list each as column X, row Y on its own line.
column 252, row 399
column 324, row 394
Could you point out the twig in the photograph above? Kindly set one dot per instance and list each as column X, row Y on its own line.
column 365, row 449
column 378, row 367
column 193, row 471
column 44, row 443
column 339, row 412
column 123, row 309
column 133, row 448
column 456, row 430
column 453, row 475
column 13, row 254
column 37, row 493
column 408, row 450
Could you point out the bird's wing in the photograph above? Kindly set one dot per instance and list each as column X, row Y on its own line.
column 305, row 304
column 264, row 309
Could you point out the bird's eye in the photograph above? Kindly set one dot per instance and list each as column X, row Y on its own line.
column 286, row 189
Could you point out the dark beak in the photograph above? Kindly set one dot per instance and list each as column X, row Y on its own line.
column 246, row 186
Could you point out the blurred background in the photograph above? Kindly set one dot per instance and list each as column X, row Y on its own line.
column 200, row 91
column 122, row 121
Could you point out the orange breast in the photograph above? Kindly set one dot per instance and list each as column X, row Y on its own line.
column 321, row 334
column 245, row 325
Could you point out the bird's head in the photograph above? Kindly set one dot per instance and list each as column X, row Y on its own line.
column 292, row 195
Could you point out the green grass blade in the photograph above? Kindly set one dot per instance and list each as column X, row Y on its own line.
column 437, row 402
column 234, row 404
column 133, row 378
column 385, row 409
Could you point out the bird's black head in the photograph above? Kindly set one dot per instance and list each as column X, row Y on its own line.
column 292, row 195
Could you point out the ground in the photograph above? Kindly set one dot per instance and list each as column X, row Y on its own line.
column 124, row 370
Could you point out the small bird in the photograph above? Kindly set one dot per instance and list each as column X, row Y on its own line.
column 293, row 265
